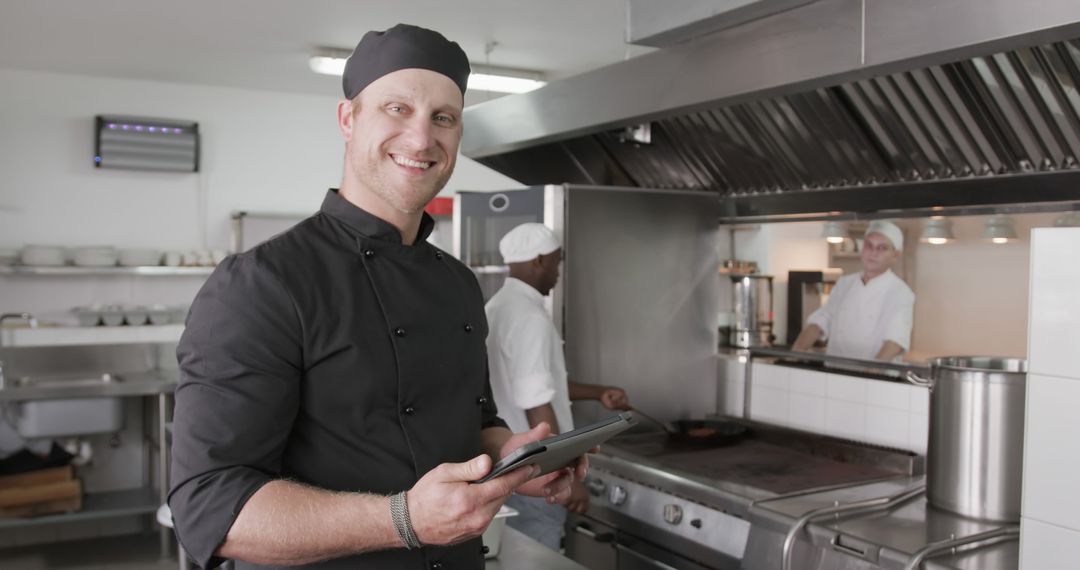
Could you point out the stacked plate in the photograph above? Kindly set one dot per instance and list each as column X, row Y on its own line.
column 133, row 315
column 42, row 255
column 137, row 257
column 98, row 256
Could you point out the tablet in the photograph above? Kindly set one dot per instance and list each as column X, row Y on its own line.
column 558, row 451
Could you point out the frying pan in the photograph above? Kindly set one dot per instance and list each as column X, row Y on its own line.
column 701, row 433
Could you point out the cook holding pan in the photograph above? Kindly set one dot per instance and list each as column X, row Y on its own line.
column 528, row 370
column 868, row 314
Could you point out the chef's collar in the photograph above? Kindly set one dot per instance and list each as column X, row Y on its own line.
column 524, row 288
column 368, row 224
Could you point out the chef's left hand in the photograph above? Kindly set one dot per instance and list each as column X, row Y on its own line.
column 554, row 486
column 614, row 399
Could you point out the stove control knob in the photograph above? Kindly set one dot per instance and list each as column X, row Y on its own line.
column 617, row 495
column 672, row 514
column 596, row 487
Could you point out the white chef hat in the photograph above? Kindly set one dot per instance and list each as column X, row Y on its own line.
column 527, row 242
column 888, row 229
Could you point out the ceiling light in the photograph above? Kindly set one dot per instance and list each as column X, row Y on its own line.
column 834, row 232
column 502, row 83
column 327, row 65
column 483, row 78
column 938, row 231
column 999, row 229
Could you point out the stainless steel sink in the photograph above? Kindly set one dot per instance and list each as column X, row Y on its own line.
column 63, row 417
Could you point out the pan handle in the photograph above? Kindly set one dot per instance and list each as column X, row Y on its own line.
column 918, row 380
column 651, row 419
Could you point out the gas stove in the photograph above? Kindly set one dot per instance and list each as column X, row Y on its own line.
column 656, row 504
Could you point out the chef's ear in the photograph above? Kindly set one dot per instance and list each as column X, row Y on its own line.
column 346, row 118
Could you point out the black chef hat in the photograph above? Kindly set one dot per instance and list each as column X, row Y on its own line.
column 403, row 47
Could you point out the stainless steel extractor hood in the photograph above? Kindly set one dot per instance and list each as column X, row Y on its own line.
column 839, row 106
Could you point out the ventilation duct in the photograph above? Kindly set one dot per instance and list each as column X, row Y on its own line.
column 997, row 128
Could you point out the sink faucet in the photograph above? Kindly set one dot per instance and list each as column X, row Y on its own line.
column 24, row 316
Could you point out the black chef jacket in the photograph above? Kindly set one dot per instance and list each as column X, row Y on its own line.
column 332, row 355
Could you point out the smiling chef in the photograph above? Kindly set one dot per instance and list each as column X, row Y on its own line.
column 334, row 401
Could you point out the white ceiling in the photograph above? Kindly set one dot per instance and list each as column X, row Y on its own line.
column 265, row 44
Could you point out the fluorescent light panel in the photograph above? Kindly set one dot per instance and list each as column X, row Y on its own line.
column 493, row 82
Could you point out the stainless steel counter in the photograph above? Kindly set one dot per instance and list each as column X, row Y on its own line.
column 887, row 540
column 519, row 552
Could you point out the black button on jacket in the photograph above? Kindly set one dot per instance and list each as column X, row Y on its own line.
column 295, row 364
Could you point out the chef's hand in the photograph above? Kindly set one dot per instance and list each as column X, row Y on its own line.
column 579, row 499
column 614, row 398
column 445, row 508
column 555, row 486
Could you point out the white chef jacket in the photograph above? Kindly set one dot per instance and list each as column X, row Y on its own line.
column 858, row 318
column 525, row 357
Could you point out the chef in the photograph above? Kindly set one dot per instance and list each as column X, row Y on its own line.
column 334, row 403
column 868, row 314
column 528, row 369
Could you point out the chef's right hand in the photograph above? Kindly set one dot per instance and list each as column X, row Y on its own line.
column 445, row 508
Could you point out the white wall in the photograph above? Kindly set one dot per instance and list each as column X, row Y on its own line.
column 261, row 151
column 1050, row 524
column 971, row 295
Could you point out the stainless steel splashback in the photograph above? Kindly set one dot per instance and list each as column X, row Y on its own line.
column 640, row 290
column 836, row 106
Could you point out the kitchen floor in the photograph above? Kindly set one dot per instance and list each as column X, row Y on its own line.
column 132, row 552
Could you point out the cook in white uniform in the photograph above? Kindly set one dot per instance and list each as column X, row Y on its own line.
column 868, row 314
column 528, row 370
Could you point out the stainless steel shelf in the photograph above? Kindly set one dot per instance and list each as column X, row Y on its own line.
column 69, row 270
column 97, row 506
column 89, row 336
column 127, row 385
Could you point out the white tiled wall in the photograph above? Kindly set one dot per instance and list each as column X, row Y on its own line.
column 1050, row 528
column 860, row 409
column 1047, row 547
column 1050, row 468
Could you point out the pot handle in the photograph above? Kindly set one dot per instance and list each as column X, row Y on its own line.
column 918, row 380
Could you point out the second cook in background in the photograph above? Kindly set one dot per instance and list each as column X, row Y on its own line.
column 868, row 314
column 528, row 369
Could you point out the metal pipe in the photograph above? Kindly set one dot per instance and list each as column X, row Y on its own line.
column 858, row 507
column 1012, row 532
column 747, row 373
column 163, row 470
